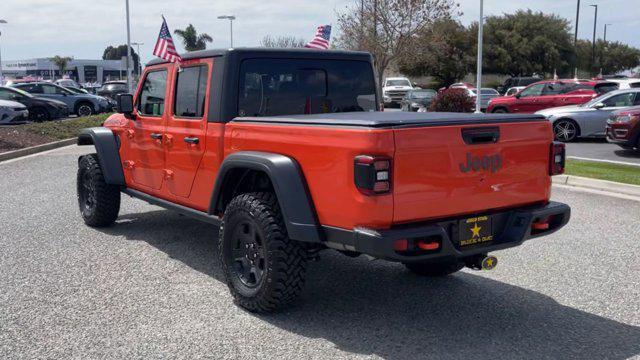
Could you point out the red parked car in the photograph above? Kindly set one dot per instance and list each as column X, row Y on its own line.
column 549, row 93
column 623, row 128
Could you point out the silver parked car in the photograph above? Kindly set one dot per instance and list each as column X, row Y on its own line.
column 589, row 119
column 12, row 112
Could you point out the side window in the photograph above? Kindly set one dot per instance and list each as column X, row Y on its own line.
column 552, row 89
column 533, row 90
column 50, row 90
column 191, row 89
column 151, row 100
column 637, row 100
column 6, row 94
column 34, row 89
column 619, row 100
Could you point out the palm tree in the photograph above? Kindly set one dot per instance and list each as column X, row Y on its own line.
column 192, row 40
column 61, row 62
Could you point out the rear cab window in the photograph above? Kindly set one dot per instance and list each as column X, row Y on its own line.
column 272, row 87
column 190, row 93
column 152, row 95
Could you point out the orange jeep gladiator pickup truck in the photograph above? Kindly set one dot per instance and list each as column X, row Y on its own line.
column 285, row 151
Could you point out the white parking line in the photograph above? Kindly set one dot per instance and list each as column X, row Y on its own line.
column 598, row 192
column 604, row 161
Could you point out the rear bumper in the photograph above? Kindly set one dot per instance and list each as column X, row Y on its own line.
column 514, row 227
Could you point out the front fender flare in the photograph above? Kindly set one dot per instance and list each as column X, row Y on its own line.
column 289, row 185
column 107, row 147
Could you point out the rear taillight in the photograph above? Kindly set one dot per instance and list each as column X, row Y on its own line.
column 372, row 174
column 556, row 158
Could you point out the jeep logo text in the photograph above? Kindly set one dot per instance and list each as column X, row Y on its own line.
column 477, row 163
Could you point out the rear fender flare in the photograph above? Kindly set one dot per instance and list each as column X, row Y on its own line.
column 289, row 186
column 107, row 146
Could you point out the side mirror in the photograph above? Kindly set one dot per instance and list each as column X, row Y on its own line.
column 598, row 106
column 518, row 95
column 125, row 104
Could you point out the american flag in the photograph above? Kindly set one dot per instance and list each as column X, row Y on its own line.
column 165, row 49
column 321, row 40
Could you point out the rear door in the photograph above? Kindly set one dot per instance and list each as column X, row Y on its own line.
column 144, row 151
column 186, row 125
column 56, row 93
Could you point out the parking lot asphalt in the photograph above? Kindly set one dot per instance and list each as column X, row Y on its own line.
column 600, row 149
column 151, row 287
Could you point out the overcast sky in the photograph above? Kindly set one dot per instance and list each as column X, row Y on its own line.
column 83, row 28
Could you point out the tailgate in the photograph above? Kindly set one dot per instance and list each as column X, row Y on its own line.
column 437, row 173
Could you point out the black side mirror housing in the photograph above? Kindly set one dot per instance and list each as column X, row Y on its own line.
column 517, row 95
column 124, row 104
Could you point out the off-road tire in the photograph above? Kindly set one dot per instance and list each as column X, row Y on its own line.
column 435, row 269
column 284, row 260
column 99, row 202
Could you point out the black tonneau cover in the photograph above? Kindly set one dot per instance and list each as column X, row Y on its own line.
column 381, row 119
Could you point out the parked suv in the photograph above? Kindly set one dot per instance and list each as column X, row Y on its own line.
column 548, row 94
column 395, row 89
column 285, row 151
column 79, row 104
column 623, row 128
column 516, row 82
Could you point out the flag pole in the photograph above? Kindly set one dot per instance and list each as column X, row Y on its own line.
column 479, row 65
column 129, row 82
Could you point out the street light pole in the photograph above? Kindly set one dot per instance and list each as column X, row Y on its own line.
column 129, row 82
column 479, row 68
column 593, row 44
column 605, row 31
column 575, row 41
column 137, row 45
column 1, row 75
column 230, row 18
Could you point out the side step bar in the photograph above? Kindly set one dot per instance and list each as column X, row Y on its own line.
column 186, row 211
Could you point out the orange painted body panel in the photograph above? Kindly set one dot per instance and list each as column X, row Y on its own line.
column 428, row 182
column 326, row 156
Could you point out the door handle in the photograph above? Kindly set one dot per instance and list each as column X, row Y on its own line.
column 191, row 140
column 156, row 136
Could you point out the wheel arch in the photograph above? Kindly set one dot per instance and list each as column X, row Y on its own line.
column 285, row 178
column 107, row 147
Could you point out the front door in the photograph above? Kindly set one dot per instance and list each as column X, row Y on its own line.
column 186, row 125
column 528, row 99
column 144, row 152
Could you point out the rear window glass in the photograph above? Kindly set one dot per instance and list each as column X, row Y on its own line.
column 191, row 90
column 271, row 87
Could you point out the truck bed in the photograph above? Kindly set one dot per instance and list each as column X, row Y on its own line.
column 382, row 119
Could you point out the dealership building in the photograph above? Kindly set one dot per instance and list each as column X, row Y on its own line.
column 82, row 71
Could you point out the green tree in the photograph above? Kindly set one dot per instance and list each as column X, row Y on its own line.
column 442, row 51
column 117, row 52
column 610, row 57
column 388, row 29
column 526, row 43
column 61, row 62
column 191, row 40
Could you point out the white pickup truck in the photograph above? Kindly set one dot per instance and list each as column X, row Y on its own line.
column 394, row 90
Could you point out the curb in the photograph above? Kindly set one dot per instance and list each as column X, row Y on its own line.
column 36, row 149
column 595, row 184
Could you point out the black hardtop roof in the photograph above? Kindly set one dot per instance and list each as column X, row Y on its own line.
column 395, row 119
column 273, row 52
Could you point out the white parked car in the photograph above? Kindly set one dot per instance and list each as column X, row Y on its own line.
column 395, row 89
column 12, row 112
